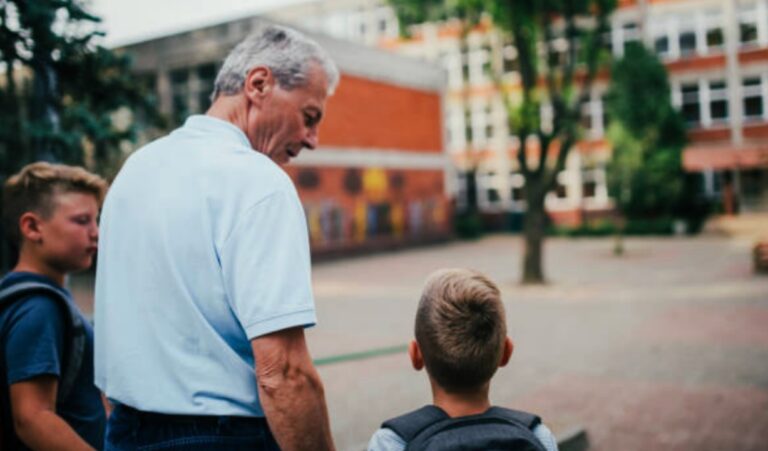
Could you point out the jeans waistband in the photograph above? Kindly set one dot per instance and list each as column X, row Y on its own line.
column 164, row 418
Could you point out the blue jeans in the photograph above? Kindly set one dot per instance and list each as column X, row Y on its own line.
column 131, row 429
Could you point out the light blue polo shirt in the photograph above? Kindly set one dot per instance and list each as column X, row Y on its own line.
column 203, row 246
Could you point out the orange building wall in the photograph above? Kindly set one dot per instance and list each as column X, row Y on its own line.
column 367, row 113
column 351, row 208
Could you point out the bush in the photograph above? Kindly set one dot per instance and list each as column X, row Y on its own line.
column 654, row 226
column 637, row 227
column 468, row 225
column 593, row 229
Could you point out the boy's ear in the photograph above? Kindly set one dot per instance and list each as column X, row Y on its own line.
column 29, row 226
column 415, row 354
column 258, row 83
column 509, row 347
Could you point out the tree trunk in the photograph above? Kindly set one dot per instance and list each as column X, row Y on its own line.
column 534, row 231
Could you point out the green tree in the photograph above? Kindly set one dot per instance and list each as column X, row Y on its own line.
column 561, row 76
column 62, row 92
column 63, row 97
column 645, row 175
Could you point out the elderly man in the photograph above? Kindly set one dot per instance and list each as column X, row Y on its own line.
column 204, row 270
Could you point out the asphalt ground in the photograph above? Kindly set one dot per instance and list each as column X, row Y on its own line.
column 664, row 348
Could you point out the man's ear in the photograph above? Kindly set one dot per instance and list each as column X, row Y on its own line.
column 415, row 354
column 29, row 226
column 258, row 83
column 509, row 347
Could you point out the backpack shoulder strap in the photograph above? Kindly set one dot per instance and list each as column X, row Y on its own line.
column 411, row 424
column 528, row 420
column 75, row 338
column 16, row 291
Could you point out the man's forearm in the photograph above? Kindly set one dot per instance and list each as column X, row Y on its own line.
column 294, row 403
column 48, row 431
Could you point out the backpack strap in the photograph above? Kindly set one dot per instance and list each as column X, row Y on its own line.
column 74, row 340
column 528, row 420
column 411, row 424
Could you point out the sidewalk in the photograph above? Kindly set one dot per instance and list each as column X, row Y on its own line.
column 749, row 226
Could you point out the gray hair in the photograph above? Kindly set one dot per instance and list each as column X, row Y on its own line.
column 286, row 52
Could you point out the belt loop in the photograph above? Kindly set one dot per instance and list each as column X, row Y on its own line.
column 221, row 424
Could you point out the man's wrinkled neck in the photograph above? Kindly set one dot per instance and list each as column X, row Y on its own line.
column 233, row 109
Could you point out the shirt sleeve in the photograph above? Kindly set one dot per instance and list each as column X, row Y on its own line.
column 34, row 342
column 546, row 437
column 386, row 440
column 266, row 266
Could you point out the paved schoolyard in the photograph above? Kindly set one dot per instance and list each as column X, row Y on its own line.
column 665, row 348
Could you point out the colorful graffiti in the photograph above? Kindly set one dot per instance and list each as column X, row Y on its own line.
column 374, row 205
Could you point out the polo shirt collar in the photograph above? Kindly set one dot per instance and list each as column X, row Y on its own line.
column 224, row 129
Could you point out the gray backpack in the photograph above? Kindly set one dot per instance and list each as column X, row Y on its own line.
column 74, row 335
column 430, row 428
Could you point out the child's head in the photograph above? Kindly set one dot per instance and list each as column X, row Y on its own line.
column 50, row 211
column 461, row 332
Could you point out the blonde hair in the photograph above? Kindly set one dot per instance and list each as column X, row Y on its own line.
column 460, row 328
column 34, row 188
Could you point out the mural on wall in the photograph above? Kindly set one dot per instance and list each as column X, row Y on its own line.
column 354, row 207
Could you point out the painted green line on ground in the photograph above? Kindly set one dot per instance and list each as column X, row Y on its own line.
column 360, row 355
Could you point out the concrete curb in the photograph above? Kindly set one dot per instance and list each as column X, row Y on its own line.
column 574, row 439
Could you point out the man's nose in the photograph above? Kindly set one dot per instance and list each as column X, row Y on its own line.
column 311, row 139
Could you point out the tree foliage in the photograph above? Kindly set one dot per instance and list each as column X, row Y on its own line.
column 62, row 93
column 645, row 175
column 560, row 46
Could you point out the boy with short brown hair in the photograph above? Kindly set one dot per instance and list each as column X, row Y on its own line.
column 47, row 396
column 461, row 339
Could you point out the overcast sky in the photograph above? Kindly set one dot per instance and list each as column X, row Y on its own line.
column 128, row 21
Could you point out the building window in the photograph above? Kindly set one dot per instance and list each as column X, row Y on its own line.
column 687, row 38
column 588, row 184
column 509, row 60
column 691, row 108
column 630, row 33
column 465, row 61
column 561, row 191
column 487, row 68
column 206, row 76
column 593, row 181
column 713, row 30
column 180, row 94
column 748, row 18
column 753, row 97
column 352, row 182
column 517, row 184
column 468, row 127
column 661, row 45
column 308, row 179
column 718, row 101
column 659, row 29
column 486, row 184
column 489, row 129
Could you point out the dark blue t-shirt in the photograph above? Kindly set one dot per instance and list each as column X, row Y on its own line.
column 32, row 338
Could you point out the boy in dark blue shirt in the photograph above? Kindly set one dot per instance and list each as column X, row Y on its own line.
column 50, row 212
